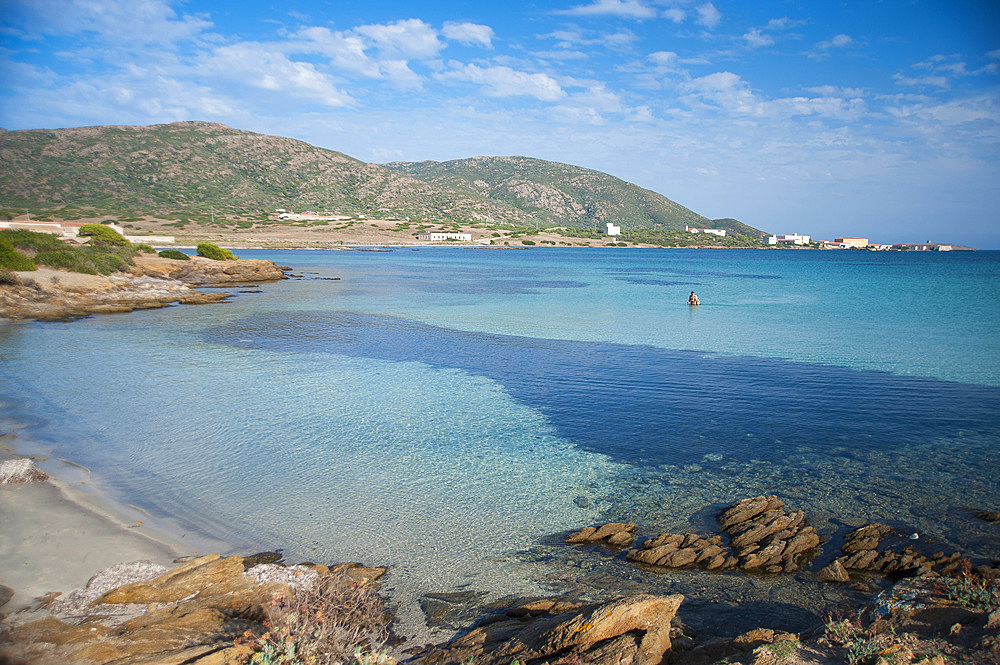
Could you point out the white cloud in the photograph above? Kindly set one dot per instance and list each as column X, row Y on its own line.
column 575, row 37
column 675, row 15
column 708, row 15
column 623, row 8
column 254, row 65
column 119, row 22
column 755, row 38
column 410, row 38
column 507, row 82
column 468, row 33
column 934, row 81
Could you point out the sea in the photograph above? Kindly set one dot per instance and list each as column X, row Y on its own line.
column 454, row 412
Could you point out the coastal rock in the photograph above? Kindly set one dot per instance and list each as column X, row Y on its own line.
column 682, row 550
column 629, row 631
column 6, row 593
column 766, row 537
column 19, row 472
column 191, row 614
column 834, row 573
column 616, row 534
column 47, row 294
column 865, row 538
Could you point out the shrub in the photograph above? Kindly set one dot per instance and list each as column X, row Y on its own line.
column 143, row 247
column 527, row 242
column 31, row 241
column 11, row 259
column 175, row 254
column 89, row 260
column 210, row 251
column 331, row 622
column 103, row 235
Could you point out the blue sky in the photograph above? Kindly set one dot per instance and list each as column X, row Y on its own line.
column 875, row 119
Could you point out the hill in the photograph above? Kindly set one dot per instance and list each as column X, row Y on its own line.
column 192, row 168
column 197, row 165
column 556, row 194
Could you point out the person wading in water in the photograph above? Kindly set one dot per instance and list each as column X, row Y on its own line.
column 693, row 299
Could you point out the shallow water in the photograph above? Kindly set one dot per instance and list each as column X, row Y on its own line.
column 451, row 411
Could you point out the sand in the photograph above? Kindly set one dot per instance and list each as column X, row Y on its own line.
column 55, row 536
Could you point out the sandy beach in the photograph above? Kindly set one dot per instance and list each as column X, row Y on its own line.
column 55, row 534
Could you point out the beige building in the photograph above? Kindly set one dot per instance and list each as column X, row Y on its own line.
column 848, row 241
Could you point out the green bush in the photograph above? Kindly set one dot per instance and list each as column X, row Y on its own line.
column 143, row 247
column 175, row 254
column 527, row 242
column 11, row 259
column 210, row 251
column 103, row 235
column 31, row 241
column 89, row 260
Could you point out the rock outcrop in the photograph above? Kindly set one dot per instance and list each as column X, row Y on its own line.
column 47, row 294
column 191, row 614
column 616, row 534
column 684, row 550
column 767, row 537
column 630, row 631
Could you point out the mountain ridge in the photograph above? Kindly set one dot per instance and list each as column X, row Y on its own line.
column 199, row 165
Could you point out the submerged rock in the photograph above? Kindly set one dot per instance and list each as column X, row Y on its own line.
column 684, row 550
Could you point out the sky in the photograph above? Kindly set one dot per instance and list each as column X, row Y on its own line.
column 873, row 119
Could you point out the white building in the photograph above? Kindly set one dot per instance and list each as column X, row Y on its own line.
column 309, row 217
column 437, row 236
column 788, row 239
column 848, row 241
column 613, row 230
column 67, row 230
column 715, row 232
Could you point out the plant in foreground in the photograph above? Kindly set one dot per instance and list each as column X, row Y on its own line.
column 337, row 620
column 970, row 589
column 210, row 251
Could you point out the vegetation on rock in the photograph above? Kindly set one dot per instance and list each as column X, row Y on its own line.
column 48, row 250
column 214, row 252
column 10, row 258
column 175, row 254
column 103, row 235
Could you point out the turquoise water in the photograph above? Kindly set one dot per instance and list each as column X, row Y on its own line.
column 450, row 411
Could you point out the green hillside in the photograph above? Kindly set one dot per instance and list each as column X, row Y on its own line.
column 191, row 169
column 196, row 165
column 556, row 194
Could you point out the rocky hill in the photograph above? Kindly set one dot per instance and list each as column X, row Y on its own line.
column 189, row 167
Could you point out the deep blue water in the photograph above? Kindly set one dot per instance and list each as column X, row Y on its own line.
column 450, row 412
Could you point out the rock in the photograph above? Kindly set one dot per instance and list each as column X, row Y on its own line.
column 834, row 573
column 673, row 550
column 746, row 509
column 616, row 534
column 207, row 575
column 989, row 516
column 865, row 538
column 20, row 472
column 630, row 631
column 766, row 536
column 261, row 557
column 6, row 593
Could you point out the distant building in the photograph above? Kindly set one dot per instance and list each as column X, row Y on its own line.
column 613, row 230
column 715, row 232
column 852, row 242
column 925, row 247
column 438, row 236
column 788, row 239
column 310, row 217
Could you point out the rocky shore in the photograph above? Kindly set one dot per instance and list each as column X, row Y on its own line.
column 47, row 294
column 934, row 608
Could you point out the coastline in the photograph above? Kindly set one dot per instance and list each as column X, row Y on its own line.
column 59, row 532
